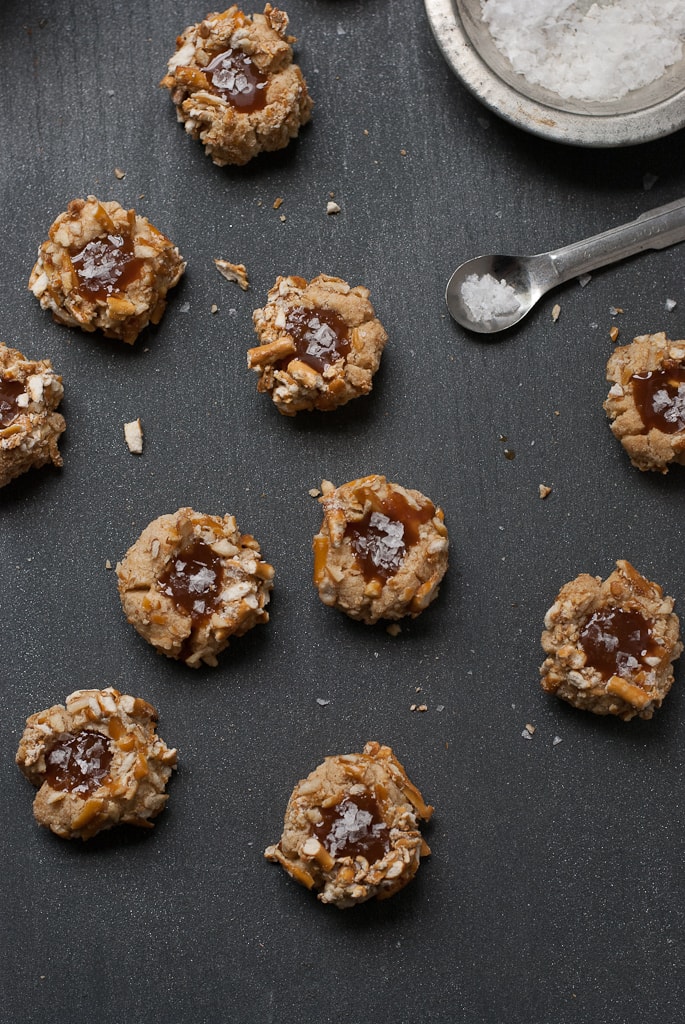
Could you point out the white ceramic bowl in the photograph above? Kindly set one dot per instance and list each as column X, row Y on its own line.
column 650, row 112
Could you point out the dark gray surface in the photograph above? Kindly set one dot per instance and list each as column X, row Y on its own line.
column 554, row 892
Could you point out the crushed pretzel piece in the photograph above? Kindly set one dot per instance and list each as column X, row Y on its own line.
column 236, row 272
column 133, row 434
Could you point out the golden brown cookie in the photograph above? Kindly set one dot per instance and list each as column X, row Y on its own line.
column 382, row 550
column 646, row 403
column 351, row 831
column 610, row 644
column 234, row 84
column 29, row 426
column 97, row 762
column 105, row 268
column 191, row 582
column 320, row 344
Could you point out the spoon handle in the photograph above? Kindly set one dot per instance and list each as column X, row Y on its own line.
column 655, row 229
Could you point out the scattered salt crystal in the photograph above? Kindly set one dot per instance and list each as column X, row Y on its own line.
column 486, row 298
column 322, row 702
column 584, row 280
column 526, row 735
column 440, row 707
column 649, row 181
column 556, row 741
column 614, row 310
column 670, row 305
column 595, row 54
column 185, row 308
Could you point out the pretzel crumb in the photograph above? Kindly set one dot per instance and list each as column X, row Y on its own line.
column 236, row 272
column 118, row 173
column 544, row 490
column 133, row 434
column 332, row 207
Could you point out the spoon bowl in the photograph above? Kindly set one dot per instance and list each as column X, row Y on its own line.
column 489, row 294
column 520, row 273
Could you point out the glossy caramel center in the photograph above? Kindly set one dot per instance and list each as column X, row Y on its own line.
column 10, row 390
column 660, row 398
column 193, row 580
column 354, row 827
column 616, row 642
column 78, row 762
column 380, row 539
column 321, row 336
column 106, row 266
column 234, row 77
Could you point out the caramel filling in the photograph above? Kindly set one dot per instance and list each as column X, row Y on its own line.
column 78, row 762
column 354, row 828
column 380, row 539
column 660, row 398
column 321, row 336
column 106, row 266
column 233, row 76
column 616, row 642
column 10, row 390
column 194, row 580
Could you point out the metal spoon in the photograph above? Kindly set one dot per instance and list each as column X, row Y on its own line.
column 531, row 277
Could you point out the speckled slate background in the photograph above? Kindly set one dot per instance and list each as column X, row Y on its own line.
column 555, row 888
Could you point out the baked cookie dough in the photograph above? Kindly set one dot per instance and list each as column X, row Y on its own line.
column 105, row 268
column 646, row 403
column 382, row 550
column 97, row 762
column 610, row 644
column 351, row 830
column 29, row 426
column 235, row 87
column 191, row 582
column 319, row 344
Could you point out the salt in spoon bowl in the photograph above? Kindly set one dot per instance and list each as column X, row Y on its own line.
column 517, row 282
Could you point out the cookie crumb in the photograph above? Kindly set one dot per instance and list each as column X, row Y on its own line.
column 530, row 728
column 314, row 492
column 214, row 308
column 613, row 333
column 118, row 173
column 236, row 272
column 282, row 218
column 332, row 207
column 365, row 132
column 133, row 434
column 544, row 490
column 108, row 564
column 394, row 629
column 556, row 312
column 278, row 202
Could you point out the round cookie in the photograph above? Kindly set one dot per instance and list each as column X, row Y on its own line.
column 191, row 582
column 351, row 831
column 610, row 644
column 646, row 403
column 105, row 268
column 382, row 550
column 320, row 344
column 97, row 762
column 29, row 426
column 234, row 84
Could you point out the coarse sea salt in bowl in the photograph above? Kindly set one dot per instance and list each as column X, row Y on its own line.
column 584, row 72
